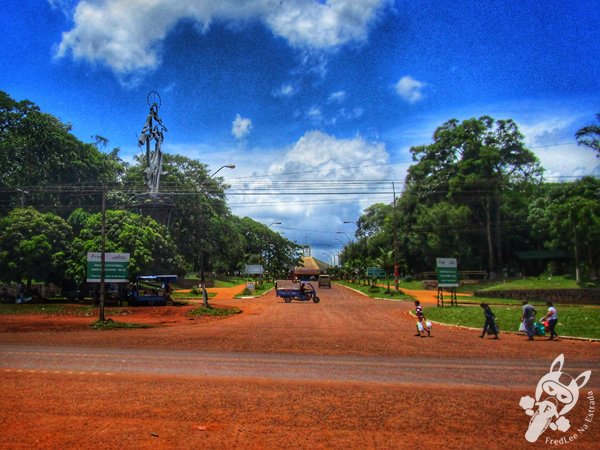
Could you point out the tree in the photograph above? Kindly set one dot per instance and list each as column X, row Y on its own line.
column 200, row 213
column 151, row 248
column 261, row 245
column 33, row 245
column 590, row 135
column 39, row 153
column 566, row 216
column 474, row 163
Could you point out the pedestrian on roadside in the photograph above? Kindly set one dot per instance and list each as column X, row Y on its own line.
column 422, row 325
column 528, row 319
column 552, row 319
column 490, row 321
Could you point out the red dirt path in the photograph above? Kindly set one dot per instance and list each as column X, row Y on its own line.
column 44, row 409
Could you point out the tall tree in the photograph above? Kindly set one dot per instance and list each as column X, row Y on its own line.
column 474, row 162
column 566, row 216
column 39, row 156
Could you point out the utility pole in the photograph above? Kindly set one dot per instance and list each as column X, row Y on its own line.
column 395, row 228
column 103, row 255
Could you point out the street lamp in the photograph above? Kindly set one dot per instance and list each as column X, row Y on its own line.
column 202, row 252
column 227, row 166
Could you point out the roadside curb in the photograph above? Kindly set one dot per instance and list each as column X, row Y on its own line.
column 376, row 298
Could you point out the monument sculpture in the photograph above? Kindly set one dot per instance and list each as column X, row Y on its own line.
column 156, row 205
column 153, row 131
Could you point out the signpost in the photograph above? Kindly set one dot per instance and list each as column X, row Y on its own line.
column 376, row 272
column 116, row 267
column 447, row 274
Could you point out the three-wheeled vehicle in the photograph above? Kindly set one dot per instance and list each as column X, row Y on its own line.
column 296, row 290
column 152, row 290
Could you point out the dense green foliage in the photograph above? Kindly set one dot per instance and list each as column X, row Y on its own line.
column 33, row 246
column 51, row 200
column 477, row 194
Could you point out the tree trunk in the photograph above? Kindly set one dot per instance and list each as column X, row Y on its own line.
column 577, row 272
column 498, row 232
column 488, row 229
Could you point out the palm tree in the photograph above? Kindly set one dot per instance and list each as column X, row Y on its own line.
column 386, row 262
column 590, row 136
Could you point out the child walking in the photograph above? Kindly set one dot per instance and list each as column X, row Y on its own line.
column 422, row 325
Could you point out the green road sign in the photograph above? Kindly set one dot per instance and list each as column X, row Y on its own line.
column 116, row 267
column 375, row 272
column 447, row 272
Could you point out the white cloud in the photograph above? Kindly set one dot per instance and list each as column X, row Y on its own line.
column 314, row 186
column 335, row 159
column 127, row 35
column 323, row 25
column 64, row 6
column 286, row 90
column 337, row 97
column 410, row 89
column 314, row 113
column 551, row 138
column 241, row 127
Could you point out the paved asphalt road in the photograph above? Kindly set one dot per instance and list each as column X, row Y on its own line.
column 273, row 367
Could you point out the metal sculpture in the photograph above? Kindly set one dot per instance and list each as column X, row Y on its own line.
column 153, row 131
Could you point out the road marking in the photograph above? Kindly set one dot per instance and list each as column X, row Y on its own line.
column 53, row 372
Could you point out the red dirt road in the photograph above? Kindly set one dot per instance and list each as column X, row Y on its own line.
column 345, row 373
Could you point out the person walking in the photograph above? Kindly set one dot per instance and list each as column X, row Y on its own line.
column 552, row 319
column 422, row 321
column 490, row 321
column 528, row 319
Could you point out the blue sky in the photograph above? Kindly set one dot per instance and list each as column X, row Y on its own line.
column 320, row 93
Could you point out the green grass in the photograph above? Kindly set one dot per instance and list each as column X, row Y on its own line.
column 413, row 285
column 472, row 300
column 230, row 281
column 60, row 309
column 110, row 324
column 536, row 283
column 33, row 309
column 258, row 291
column 376, row 292
column 210, row 311
column 572, row 320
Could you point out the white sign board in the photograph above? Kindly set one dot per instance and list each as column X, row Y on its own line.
column 254, row 269
column 447, row 272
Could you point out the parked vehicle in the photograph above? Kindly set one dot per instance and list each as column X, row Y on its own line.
column 324, row 281
column 152, row 290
